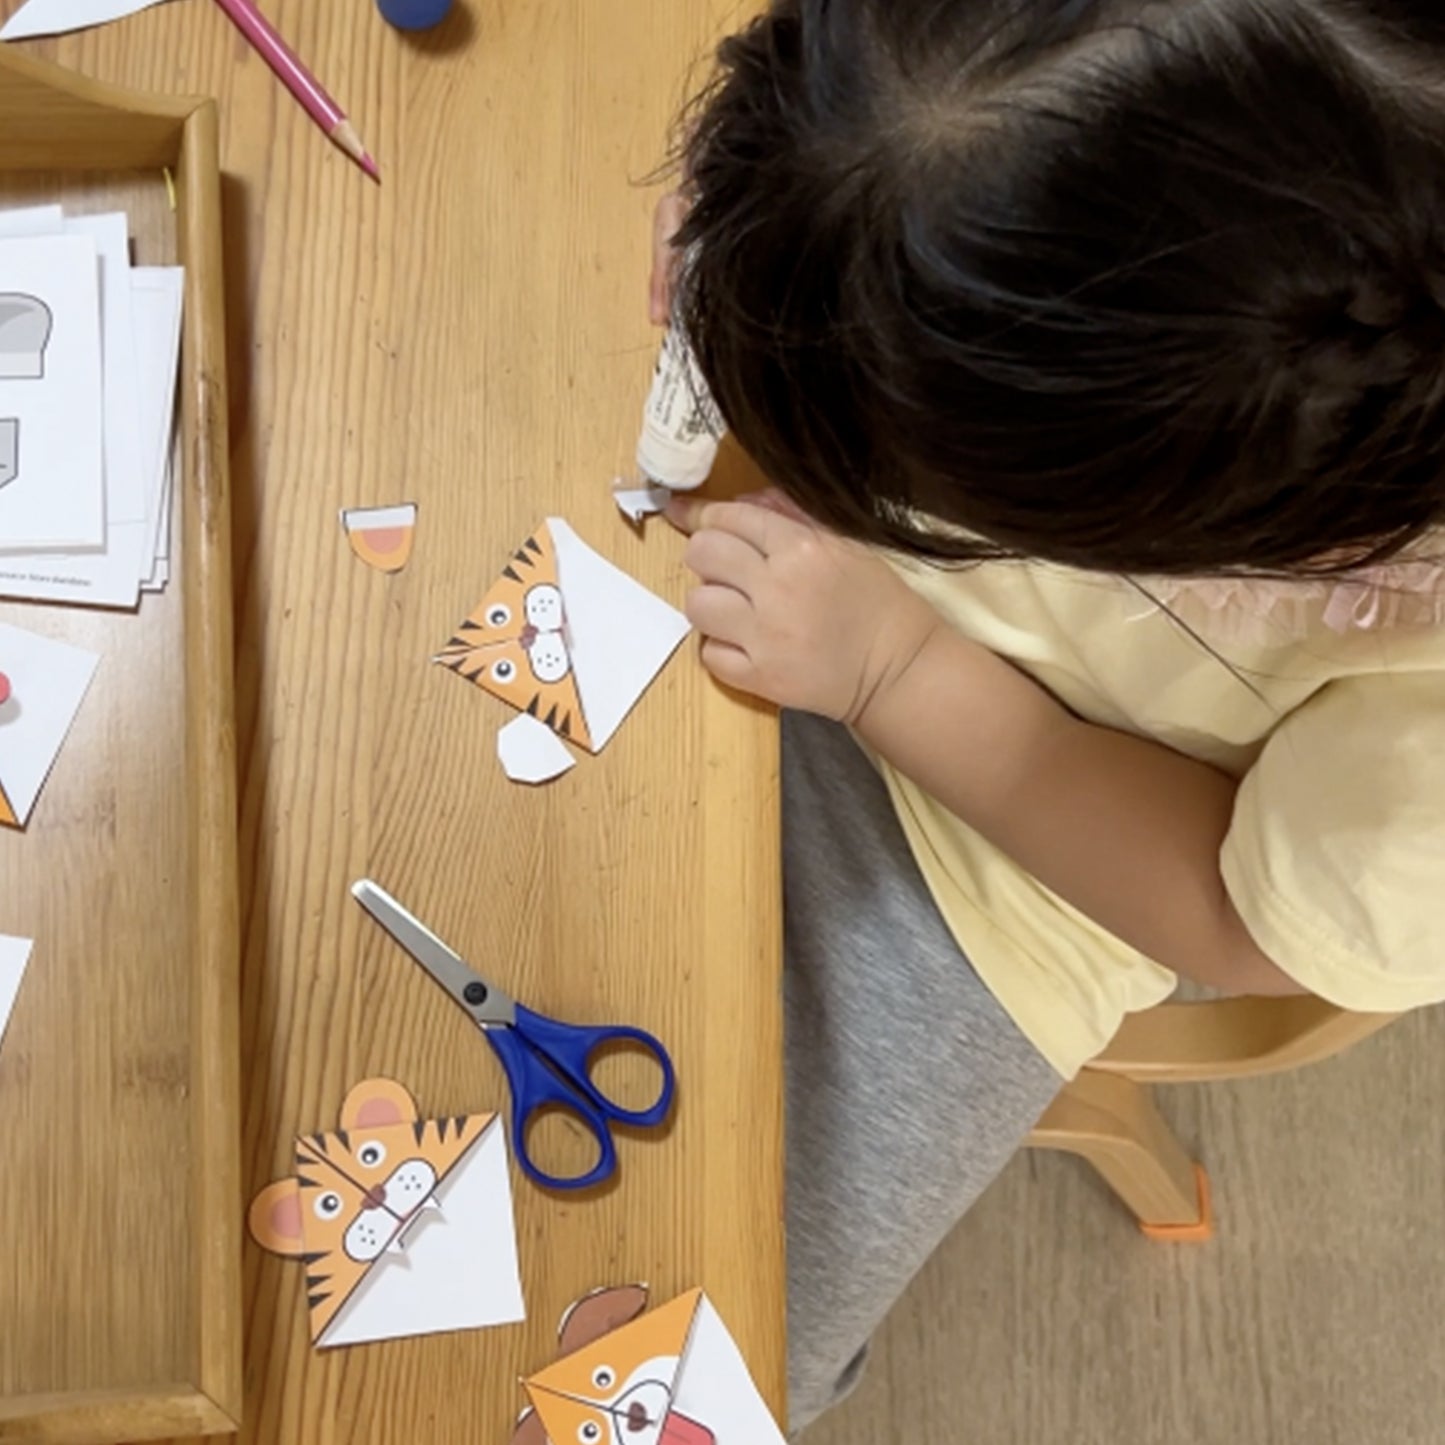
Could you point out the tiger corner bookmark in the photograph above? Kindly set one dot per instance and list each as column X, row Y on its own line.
column 566, row 637
column 403, row 1224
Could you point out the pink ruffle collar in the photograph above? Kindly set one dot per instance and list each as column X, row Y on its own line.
column 1404, row 593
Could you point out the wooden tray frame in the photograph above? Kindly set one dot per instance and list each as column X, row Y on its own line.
column 54, row 120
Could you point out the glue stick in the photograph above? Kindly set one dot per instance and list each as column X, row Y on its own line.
column 681, row 425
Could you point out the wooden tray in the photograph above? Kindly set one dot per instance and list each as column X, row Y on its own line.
column 120, row 1207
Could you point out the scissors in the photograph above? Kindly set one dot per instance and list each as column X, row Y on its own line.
column 547, row 1062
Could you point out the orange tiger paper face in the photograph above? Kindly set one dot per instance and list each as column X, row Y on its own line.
column 514, row 642
column 356, row 1191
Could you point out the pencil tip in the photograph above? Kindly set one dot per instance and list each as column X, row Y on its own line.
column 369, row 166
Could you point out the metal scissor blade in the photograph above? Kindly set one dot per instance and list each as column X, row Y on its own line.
column 462, row 982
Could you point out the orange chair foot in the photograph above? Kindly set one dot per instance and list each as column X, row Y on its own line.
column 1200, row 1231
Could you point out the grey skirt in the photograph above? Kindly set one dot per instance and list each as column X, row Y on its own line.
column 909, row 1087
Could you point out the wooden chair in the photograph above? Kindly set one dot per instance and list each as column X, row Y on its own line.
column 1107, row 1116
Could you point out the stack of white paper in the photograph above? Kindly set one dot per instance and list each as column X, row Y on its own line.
column 89, row 347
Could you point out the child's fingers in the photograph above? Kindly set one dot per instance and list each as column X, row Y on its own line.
column 729, row 664
column 761, row 527
column 685, row 513
column 780, row 503
column 725, row 559
column 720, row 612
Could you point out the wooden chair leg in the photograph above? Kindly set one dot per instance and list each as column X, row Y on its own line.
column 1111, row 1121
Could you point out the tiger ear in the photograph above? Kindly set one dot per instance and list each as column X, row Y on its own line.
column 374, row 1103
column 275, row 1218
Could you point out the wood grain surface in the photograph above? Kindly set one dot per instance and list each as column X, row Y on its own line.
column 469, row 336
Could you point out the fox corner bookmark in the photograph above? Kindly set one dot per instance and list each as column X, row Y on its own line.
column 672, row 1376
column 404, row 1224
column 568, row 639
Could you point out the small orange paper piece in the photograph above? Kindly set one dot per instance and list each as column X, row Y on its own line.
column 381, row 536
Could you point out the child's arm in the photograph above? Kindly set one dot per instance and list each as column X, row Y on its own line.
column 1126, row 830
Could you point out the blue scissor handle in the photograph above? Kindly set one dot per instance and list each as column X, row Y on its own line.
column 535, row 1086
column 547, row 1066
column 570, row 1048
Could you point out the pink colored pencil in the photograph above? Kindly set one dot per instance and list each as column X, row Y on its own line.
column 299, row 81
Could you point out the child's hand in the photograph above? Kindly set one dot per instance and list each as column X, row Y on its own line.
column 791, row 612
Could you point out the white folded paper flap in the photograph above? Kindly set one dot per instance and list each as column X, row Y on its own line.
column 620, row 633
column 637, row 503
column 716, row 1389
column 59, row 17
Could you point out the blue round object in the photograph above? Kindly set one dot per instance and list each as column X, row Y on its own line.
column 414, row 14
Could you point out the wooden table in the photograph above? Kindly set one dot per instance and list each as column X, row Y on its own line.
column 470, row 336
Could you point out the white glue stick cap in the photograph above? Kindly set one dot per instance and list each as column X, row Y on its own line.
column 677, row 465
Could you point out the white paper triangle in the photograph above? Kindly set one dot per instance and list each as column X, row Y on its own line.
column 620, row 634
column 59, row 17
column 48, row 680
column 716, row 1390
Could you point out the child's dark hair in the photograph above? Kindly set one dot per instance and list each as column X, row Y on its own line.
column 1149, row 286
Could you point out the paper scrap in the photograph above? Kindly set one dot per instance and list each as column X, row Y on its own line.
column 638, row 503
column 381, row 536
column 530, row 752
column 50, row 388
column 139, row 344
column 32, row 220
column 158, row 298
column 404, row 1225
column 674, row 1376
column 47, row 680
column 566, row 636
column 140, row 340
column 14, row 955
column 161, row 568
column 109, row 577
column 59, row 17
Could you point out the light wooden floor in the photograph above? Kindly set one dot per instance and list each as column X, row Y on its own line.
column 1317, row 1317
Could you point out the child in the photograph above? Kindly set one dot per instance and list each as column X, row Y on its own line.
column 1139, row 307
